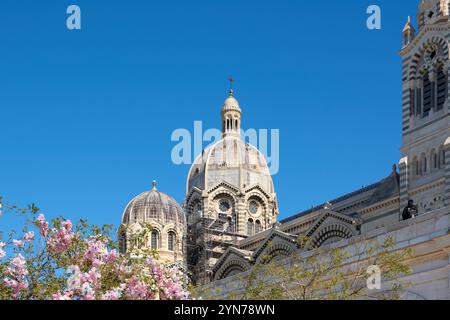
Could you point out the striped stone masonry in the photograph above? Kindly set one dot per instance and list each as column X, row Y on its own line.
column 447, row 172
column 404, row 195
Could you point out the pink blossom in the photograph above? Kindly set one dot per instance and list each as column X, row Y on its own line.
column 17, row 266
column 111, row 256
column 87, row 293
column 92, row 277
column 15, row 286
column 67, row 225
column 66, row 296
column 137, row 290
column 16, row 273
column 95, row 251
column 42, row 225
column 114, row 294
column 18, row 243
column 29, row 236
column 61, row 239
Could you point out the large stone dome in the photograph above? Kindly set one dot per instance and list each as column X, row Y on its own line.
column 151, row 206
column 233, row 161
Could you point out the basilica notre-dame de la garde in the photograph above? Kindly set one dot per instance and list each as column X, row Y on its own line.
column 228, row 219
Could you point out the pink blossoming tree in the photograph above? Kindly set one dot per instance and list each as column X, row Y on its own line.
column 62, row 261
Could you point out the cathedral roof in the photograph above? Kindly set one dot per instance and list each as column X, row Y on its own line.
column 382, row 190
column 154, row 206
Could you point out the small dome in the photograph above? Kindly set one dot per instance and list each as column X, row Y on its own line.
column 231, row 104
column 153, row 206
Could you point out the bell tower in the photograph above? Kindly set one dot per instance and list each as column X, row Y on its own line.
column 425, row 163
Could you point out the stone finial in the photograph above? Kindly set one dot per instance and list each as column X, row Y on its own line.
column 327, row 206
column 154, row 185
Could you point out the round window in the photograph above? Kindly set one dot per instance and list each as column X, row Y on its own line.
column 253, row 207
column 224, row 205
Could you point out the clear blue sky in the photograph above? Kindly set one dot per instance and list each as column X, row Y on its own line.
column 86, row 116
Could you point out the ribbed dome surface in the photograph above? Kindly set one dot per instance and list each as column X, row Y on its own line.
column 234, row 161
column 231, row 104
column 153, row 206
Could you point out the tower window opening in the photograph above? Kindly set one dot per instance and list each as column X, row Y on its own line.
column 427, row 95
column 257, row 227
column 171, row 241
column 441, row 90
column 154, row 240
column 416, row 167
column 250, row 227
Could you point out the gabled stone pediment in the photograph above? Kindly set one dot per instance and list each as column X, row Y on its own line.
column 257, row 187
column 329, row 225
column 194, row 191
column 225, row 185
column 233, row 261
column 276, row 243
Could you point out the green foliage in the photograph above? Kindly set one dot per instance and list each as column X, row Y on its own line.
column 335, row 274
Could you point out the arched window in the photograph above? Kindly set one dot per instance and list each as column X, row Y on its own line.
column 427, row 95
column 425, row 164
column 171, row 241
column 154, row 239
column 415, row 167
column 434, row 160
column 250, row 227
column 257, row 226
column 230, row 224
column 441, row 89
column 443, row 158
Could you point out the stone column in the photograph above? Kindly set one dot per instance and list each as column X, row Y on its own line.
column 406, row 106
column 404, row 182
column 241, row 216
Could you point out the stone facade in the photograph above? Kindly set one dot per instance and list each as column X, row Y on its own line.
column 375, row 212
column 231, row 206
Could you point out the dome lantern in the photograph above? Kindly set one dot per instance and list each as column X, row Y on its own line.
column 231, row 114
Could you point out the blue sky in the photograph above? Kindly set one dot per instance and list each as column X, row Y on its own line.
column 87, row 116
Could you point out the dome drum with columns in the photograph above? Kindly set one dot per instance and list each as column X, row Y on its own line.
column 167, row 221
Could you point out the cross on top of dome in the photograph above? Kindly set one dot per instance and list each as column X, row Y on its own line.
column 231, row 79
